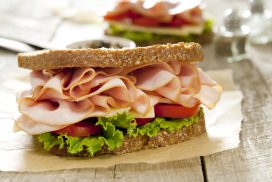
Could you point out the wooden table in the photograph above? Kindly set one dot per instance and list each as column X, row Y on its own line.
column 252, row 161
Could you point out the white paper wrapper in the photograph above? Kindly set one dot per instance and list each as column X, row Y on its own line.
column 223, row 124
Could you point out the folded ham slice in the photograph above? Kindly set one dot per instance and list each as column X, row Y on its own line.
column 66, row 96
column 162, row 11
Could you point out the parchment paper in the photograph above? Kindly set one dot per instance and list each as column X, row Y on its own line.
column 223, row 124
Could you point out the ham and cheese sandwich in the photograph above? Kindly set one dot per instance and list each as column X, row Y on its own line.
column 149, row 22
column 86, row 102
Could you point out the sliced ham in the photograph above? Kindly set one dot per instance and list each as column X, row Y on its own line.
column 63, row 97
column 33, row 128
column 159, row 10
column 193, row 15
column 154, row 9
column 57, row 112
column 121, row 8
column 205, row 79
column 209, row 95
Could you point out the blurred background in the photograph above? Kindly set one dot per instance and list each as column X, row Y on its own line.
column 49, row 24
column 61, row 22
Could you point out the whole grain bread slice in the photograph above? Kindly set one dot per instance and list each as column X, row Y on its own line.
column 55, row 59
column 133, row 144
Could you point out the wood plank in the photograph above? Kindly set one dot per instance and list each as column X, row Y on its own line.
column 261, row 57
column 252, row 161
column 184, row 170
column 63, row 175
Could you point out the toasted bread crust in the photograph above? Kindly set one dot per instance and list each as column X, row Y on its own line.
column 133, row 144
column 54, row 59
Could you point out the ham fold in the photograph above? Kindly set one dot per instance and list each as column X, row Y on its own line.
column 63, row 97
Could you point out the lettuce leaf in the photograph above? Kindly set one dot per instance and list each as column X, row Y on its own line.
column 208, row 25
column 138, row 36
column 76, row 144
column 50, row 140
column 124, row 120
column 112, row 136
column 171, row 125
column 121, row 120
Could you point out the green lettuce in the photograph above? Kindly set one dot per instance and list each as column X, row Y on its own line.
column 73, row 144
column 112, row 136
column 49, row 140
column 208, row 25
column 138, row 36
column 121, row 120
column 171, row 125
column 77, row 144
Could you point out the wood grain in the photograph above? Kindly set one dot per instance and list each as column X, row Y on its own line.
column 261, row 58
column 252, row 161
column 185, row 170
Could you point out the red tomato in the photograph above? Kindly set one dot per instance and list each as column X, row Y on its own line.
column 128, row 14
column 177, row 22
column 145, row 21
column 175, row 111
column 115, row 16
column 143, row 121
column 81, row 129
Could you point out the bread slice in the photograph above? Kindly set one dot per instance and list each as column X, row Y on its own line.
column 55, row 59
column 133, row 144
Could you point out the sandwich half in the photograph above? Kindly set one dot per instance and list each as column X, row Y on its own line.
column 152, row 22
column 87, row 102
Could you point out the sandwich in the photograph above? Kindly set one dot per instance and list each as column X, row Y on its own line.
column 87, row 102
column 158, row 22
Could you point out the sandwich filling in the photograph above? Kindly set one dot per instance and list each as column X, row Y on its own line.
column 139, row 21
column 96, row 107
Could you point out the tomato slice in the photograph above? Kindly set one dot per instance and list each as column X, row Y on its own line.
column 145, row 21
column 127, row 14
column 177, row 22
column 81, row 129
column 175, row 110
column 143, row 121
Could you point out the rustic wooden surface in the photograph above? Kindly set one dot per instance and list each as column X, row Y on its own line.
column 252, row 161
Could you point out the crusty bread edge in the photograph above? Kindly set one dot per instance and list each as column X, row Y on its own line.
column 55, row 59
column 133, row 144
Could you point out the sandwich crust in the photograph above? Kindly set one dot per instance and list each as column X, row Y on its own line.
column 55, row 59
column 133, row 144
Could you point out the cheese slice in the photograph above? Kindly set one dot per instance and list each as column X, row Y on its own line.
column 183, row 31
column 149, row 114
